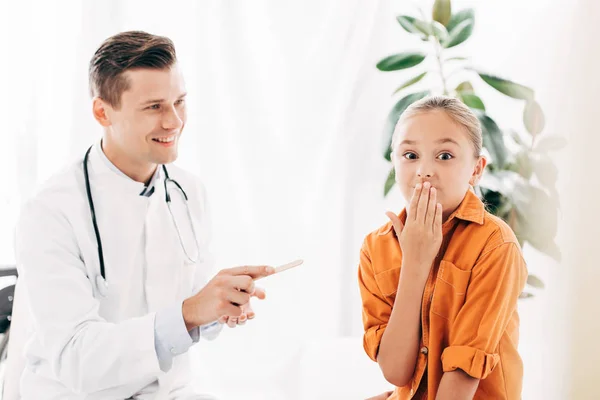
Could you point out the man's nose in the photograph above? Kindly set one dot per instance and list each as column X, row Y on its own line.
column 172, row 119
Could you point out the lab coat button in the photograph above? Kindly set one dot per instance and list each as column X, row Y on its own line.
column 173, row 351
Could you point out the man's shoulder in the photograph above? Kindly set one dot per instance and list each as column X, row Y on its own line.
column 59, row 190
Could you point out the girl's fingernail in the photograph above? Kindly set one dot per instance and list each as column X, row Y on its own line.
column 418, row 186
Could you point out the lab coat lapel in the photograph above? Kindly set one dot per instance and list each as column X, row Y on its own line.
column 164, row 257
column 120, row 213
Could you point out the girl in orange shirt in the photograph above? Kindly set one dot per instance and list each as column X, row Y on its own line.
column 440, row 281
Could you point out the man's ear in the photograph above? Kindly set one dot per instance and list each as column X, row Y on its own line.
column 478, row 171
column 99, row 109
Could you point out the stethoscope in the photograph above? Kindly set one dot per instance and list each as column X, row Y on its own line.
column 101, row 283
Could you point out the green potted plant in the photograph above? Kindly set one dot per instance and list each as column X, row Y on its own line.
column 519, row 184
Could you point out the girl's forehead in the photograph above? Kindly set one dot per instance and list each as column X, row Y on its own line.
column 431, row 127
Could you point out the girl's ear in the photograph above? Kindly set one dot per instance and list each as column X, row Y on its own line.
column 478, row 171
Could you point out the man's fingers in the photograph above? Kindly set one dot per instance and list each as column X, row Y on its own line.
column 398, row 225
column 232, row 322
column 249, row 311
column 236, row 297
column 259, row 293
column 253, row 271
column 223, row 319
column 242, row 282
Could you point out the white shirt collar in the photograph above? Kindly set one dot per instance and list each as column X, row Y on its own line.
column 148, row 190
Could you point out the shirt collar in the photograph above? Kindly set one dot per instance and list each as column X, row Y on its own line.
column 147, row 190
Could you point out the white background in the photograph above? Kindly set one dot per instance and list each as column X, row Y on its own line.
column 286, row 110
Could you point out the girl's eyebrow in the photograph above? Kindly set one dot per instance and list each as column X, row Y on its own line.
column 441, row 141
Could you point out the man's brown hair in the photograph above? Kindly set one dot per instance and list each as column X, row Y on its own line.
column 125, row 51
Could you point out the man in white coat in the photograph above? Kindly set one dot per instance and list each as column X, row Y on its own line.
column 112, row 251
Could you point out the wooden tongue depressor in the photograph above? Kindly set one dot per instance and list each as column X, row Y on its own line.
column 285, row 267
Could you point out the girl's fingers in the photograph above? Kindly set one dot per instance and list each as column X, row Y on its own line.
column 398, row 225
column 430, row 215
column 423, row 201
column 437, row 222
column 414, row 201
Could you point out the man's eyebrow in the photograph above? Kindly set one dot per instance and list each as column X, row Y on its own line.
column 162, row 100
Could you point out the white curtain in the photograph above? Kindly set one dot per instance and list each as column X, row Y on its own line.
column 285, row 116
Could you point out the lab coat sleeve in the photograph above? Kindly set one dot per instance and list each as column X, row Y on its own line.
column 171, row 337
column 86, row 353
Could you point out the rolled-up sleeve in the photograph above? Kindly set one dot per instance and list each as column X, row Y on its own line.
column 491, row 301
column 375, row 311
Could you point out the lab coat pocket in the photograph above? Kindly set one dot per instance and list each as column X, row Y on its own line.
column 450, row 290
column 388, row 282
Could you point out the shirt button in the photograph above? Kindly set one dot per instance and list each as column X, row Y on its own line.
column 173, row 351
column 424, row 350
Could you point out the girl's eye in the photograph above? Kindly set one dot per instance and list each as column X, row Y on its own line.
column 154, row 107
column 179, row 102
column 409, row 155
column 445, row 156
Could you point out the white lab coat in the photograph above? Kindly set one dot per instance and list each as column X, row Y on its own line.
column 81, row 345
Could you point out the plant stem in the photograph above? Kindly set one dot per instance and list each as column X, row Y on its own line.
column 438, row 55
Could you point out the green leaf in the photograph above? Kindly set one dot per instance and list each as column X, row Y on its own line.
column 525, row 295
column 539, row 215
column 400, row 61
column 465, row 87
column 414, row 26
column 459, row 34
column 459, row 17
column 516, row 136
column 550, row 143
column 442, row 11
column 410, row 82
column 493, row 139
column 533, row 117
column 510, row 89
column 550, row 248
column 439, row 31
column 546, row 171
column 472, row 100
column 389, row 182
column 394, row 115
column 534, row 281
column 456, row 59
column 523, row 164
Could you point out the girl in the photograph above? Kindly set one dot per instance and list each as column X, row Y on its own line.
column 440, row 281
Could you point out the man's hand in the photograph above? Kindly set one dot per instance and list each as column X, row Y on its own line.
column 247, row 311
column 224, row 295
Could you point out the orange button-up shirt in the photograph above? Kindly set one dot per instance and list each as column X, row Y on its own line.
column 469, row 316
